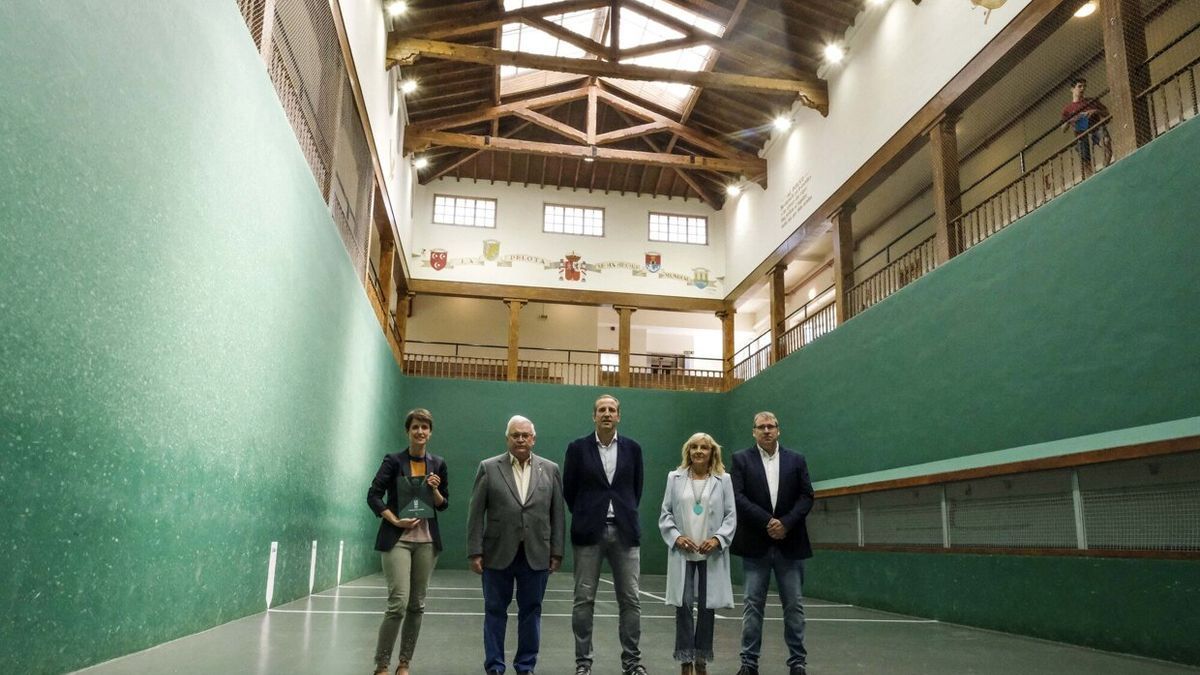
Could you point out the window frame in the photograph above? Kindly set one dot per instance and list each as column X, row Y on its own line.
column 601, row 209
column 495, row 211
column 649, row 228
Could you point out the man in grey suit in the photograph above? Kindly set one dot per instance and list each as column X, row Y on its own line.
column 515, row 532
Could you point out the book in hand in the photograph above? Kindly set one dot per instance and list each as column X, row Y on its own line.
column 414, row 496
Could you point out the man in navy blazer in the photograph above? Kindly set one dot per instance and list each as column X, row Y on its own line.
column 602, row 485
column 774, row 494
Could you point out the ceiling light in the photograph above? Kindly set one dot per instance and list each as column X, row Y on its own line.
column 783, row 123
column 733, row 190
column 834, row 53
column 878, row 3
column 420, row 163
column 1086, row 9
column 408, row 86
column 397, row 8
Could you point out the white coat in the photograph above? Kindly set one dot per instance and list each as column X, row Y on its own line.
column 722, row 522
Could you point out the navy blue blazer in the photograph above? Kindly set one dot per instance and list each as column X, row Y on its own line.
column 385, row 483
column 587, row 491
column 754, row 511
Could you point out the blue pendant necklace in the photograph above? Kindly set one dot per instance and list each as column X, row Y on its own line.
column 697, row 507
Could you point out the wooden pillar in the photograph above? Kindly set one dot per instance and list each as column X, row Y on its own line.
column 267, row 41
column 387, row 254
column 843, row 260
column 403, row 309
column 726, row 317
column 947, row 202
column 1124, row 56
column 778, row 313
column 514, row 334
column 624, row 313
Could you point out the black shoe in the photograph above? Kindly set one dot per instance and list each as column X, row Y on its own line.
column 494, row 672
column 582, row 669
column 747, row 670
column 637, row 670
column 797, row 670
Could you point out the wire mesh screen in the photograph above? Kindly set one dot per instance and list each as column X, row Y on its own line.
column 834, row 521
column 299, row 44
column 1151, row 504
column 910, row 516
column 1022, row 510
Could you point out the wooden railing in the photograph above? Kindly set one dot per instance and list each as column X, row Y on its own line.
column 811, row 323
column 676, row 379
column 896, row 275
column 1174, row 100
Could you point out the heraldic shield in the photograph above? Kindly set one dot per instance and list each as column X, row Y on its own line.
column 653, row 262
column 491, row 249
column 437, row 258
column 700, row 277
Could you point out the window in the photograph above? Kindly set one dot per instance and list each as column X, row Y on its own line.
column 677, row 228
column 573, row 220
column 448, row 210
column 610, row 362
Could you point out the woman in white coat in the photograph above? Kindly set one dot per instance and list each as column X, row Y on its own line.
column 697, row 523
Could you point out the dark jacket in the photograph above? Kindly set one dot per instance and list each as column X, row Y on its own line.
column 753, row 498
column 385, row 483
column 587, row 491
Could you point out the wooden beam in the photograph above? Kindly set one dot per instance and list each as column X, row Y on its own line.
column 406, row 50
column 947, row 202
column 453, row 27
column 564, row 296
column 727, row 335
column 630, row 132
column 553, row 125
column 497, row 111
column 687, row 133
column 415, row 141
column 591, row 113
column 570, row 37
column 1124, row 59
column 843, row 260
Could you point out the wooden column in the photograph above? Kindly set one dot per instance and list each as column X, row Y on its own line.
column 843, row 260
column 1124, row 54
column 403, row 309
column 514, row 334
column 777, row 311
column 947, row 202
column 624, row 313
column 726, row 317
column 387, row 256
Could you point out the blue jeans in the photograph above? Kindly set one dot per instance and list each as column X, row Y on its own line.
column 694, row 640
column 497, row 596
column 789, row 577
column 625, row 563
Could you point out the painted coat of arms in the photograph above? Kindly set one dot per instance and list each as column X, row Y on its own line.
column 653, row 262
column 491, row 249
column 700, row 277
column 437, row 258
column 572, row 268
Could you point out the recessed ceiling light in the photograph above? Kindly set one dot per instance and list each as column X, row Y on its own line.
column 878, row 3
column 783, row 123
column 420, row 163
column 397, row 8
column 834, row 53
column 1086, row 9
column 733, row 190
column 408, row 86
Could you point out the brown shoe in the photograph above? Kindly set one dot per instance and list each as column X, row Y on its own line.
column 402, row 669
column 685, row 669
column 700, row 668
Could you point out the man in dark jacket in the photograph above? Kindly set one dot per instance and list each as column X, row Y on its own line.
column 774, row 494
column 602, row 485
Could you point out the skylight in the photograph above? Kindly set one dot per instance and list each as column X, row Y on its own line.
column 637, row 29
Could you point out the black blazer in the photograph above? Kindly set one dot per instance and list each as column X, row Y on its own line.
column 385, row 483
column 753, row 498
column 587, row 491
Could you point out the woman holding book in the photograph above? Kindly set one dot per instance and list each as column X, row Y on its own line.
column 408, row 490
column 697, row 522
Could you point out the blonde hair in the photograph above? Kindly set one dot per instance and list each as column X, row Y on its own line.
column 715, row 465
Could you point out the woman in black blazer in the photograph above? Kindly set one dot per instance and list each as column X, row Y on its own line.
column 409, row 546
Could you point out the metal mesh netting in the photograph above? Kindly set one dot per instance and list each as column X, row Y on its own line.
column 912, row 516
column 1032, row 510
column 303, row 57
column 834, row 521
column 1143, row 504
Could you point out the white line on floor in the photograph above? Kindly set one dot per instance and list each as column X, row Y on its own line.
column 599, row 616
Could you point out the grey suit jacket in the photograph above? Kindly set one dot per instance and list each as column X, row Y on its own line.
column 498, row 523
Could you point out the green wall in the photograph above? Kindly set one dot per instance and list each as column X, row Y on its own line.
column 1083, row 317
column 469, row 420
column 190, row 367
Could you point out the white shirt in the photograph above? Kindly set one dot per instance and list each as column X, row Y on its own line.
column 521, row 475
column 608, row 457
column 771, row 467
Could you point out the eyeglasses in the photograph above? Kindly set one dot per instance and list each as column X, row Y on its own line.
column 766, row 427
column 518, row 435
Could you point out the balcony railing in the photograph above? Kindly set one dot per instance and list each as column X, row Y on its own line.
column 816, row 318
column 897, row 274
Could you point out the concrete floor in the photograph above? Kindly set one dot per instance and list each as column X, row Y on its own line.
column 333, row 633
